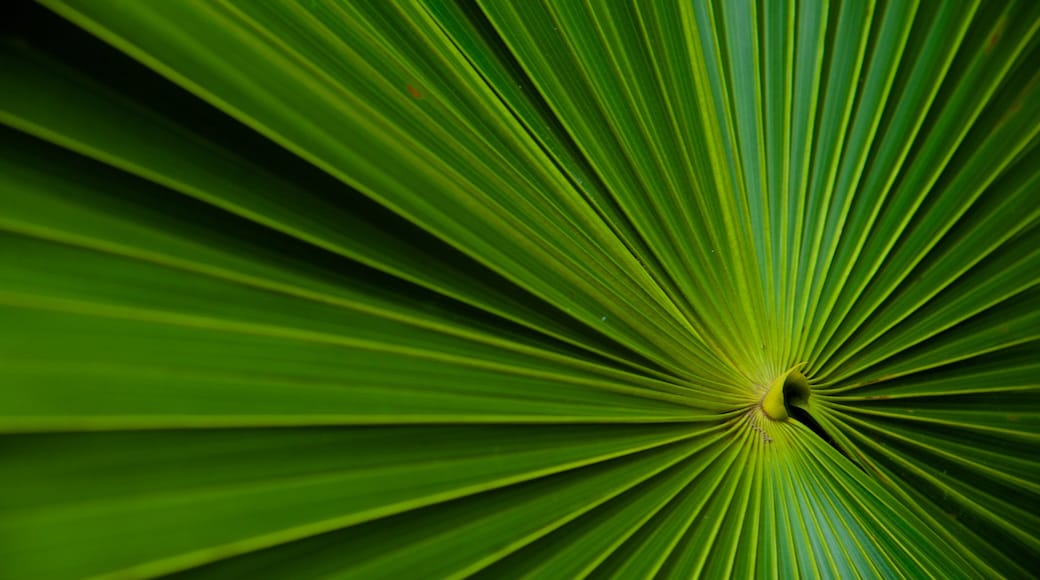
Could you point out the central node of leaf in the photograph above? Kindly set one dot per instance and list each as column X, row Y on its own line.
column 790, row 388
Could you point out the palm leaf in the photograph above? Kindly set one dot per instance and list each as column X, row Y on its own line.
column 431, row 288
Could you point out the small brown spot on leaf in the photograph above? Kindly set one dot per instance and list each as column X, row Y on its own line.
column 414, row 92
column 993, row 38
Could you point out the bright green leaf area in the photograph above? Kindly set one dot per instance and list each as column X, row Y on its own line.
column 491, row 288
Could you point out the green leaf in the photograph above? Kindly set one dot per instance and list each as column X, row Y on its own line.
column 302, row 288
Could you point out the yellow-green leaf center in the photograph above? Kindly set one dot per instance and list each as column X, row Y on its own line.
column 790, row 388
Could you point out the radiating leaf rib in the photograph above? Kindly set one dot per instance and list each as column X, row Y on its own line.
column 688, row 556
column 884, row 53
column 851, row 33
column 595, row 536
column 957, row 108
column 478, row 209
column 354, row 377
column 298, row 213
column 367, row 484
column 647, row 551
column 932, row 57
column 515, row 516
column 941, row 519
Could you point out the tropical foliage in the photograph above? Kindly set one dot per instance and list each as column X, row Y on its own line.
column 558, row 288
